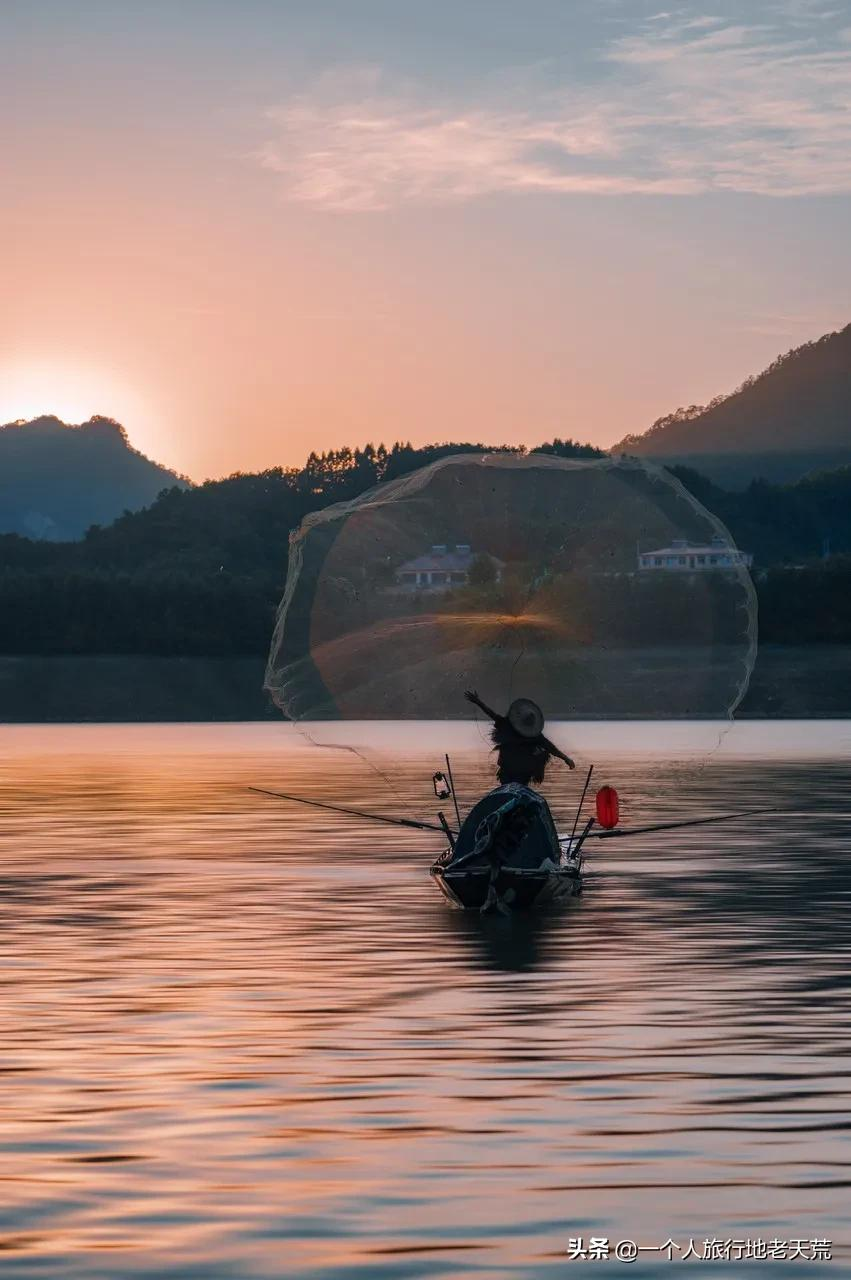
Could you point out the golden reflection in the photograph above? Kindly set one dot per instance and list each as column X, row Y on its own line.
column 418, row 634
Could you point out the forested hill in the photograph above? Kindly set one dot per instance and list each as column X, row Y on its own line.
column 241, row 525
column 199, row 571
column 796, row 414
column 56, row 479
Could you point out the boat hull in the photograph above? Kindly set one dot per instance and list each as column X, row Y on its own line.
column 512, row 888
column 516, row 890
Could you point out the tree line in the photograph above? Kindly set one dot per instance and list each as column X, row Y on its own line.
column 201, row 571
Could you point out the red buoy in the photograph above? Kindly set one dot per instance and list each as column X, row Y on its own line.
column 608, row 808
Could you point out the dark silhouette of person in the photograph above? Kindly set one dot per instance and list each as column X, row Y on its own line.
column 512, row 825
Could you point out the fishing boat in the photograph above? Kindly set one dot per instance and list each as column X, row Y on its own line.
column 490, row 883
column 488, row 877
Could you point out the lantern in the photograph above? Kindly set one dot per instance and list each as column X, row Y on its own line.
column 441, row 786
column 608, row 809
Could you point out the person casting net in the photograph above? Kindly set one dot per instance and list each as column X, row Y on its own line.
column 512, row 823
column 597, row 588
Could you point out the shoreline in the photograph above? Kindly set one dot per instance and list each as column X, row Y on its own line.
column 788, row 682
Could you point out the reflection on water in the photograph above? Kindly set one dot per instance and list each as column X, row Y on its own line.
column 243, row 1039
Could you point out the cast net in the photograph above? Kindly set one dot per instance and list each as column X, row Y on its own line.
column 600, row 588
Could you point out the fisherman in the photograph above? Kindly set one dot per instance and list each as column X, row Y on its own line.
column 512, row 825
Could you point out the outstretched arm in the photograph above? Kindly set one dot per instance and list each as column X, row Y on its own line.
column 554, row 751
column 472, row 696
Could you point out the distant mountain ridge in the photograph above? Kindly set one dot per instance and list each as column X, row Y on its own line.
column 793, row 417
column 58, row 479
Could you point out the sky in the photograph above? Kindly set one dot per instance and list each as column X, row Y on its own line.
column 248, row 230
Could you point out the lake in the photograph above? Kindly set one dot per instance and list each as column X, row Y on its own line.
column 243, row 1038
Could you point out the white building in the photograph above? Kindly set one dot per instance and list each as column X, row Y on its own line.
column 444, row 567
column 694, row 557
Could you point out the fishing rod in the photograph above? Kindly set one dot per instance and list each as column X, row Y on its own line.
column 452, row 789
column 670, row 826
column 581, row 803
column 354, row 813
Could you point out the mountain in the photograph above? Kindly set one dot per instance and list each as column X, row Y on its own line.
column 791, row 419
column 56, row 480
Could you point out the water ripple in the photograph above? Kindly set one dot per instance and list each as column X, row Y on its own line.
column 239, row 1038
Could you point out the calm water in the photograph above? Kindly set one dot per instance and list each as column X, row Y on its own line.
column 242, row 1039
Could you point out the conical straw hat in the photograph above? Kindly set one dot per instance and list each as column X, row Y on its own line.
column 526, row 718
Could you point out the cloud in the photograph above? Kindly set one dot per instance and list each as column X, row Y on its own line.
column 685, row 105
column 779, row 325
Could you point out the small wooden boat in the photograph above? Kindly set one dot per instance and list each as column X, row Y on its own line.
column 505, row 888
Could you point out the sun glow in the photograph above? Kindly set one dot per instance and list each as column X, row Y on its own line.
column 73, row 394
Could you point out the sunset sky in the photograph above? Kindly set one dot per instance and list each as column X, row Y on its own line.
column 249, row 228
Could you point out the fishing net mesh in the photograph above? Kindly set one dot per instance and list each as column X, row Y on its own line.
column 599, row 588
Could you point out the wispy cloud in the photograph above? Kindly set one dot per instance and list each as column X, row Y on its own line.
column 796, row 328
column 688, row 104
